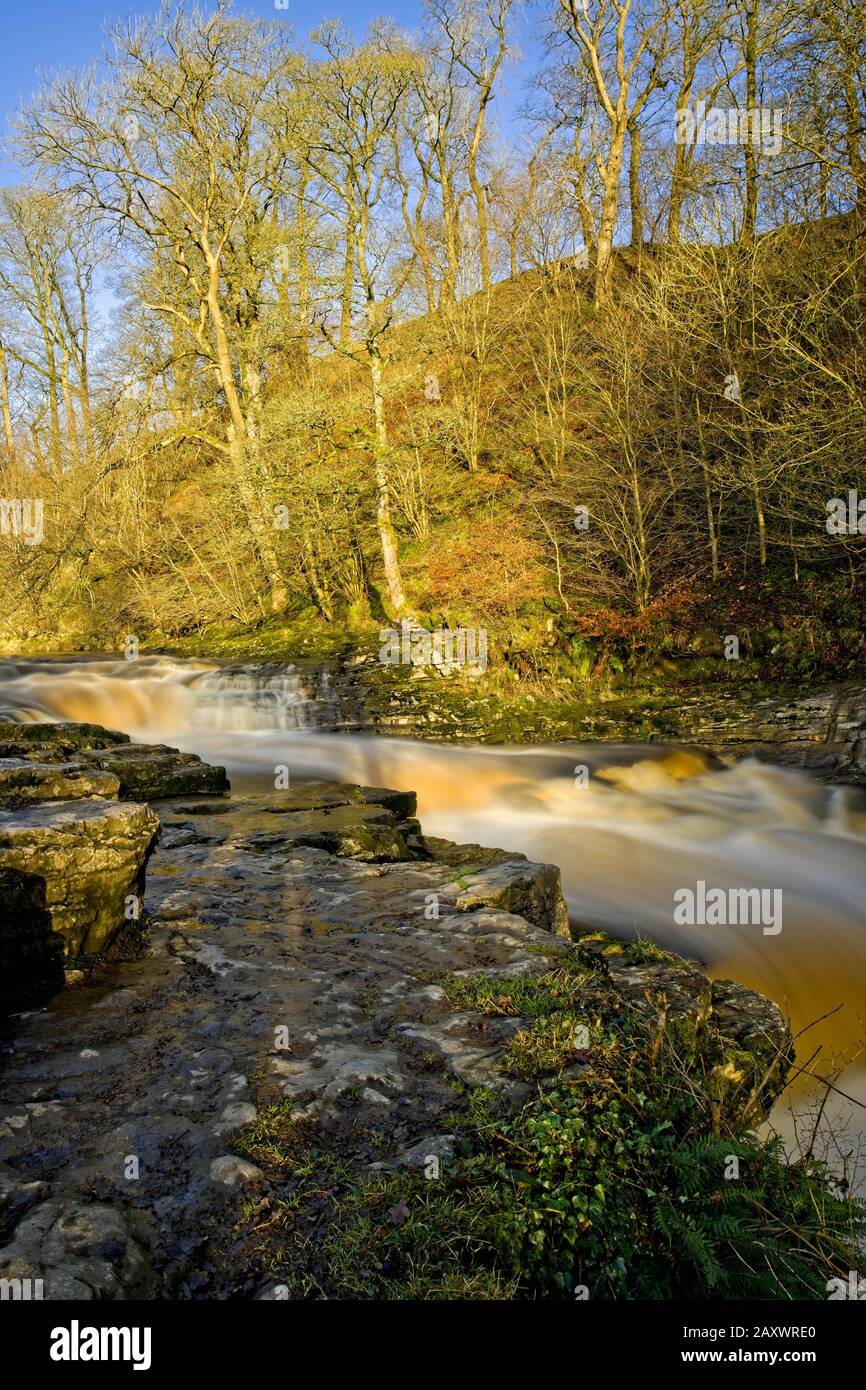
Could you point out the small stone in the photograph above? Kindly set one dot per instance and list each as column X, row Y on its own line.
column 12, row 1123
column 234, row 1171
column 236, row 1116
column 436, row 1146
column 374, row 1097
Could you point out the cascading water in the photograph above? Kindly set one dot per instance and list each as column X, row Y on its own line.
column 243, row 699
column 642, row 827
column 156, row 694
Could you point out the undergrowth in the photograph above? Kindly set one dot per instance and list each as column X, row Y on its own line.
column 628, row 1173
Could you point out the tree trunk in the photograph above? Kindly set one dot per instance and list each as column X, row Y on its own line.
column 53, row 406
column 260, row 532
column 762, row 523
column 8, row 434
column 348, row 283
column 481, row 215
column 478, row 192
column 303, row 274
column 604, row 253
column 853, row 132
column 317, row 588
column 242, row 446
column 634, row 187
column 642, row 568
column 750, row 209
column 387, row 534
column 84, row 375
column 678, row 173
column 448, row 288
column 708, row 496
column 69, row 406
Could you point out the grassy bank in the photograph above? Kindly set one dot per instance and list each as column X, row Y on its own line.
column 637, row 1173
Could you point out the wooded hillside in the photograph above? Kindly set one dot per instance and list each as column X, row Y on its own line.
column 387, row 345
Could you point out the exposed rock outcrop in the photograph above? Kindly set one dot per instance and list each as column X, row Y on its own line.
column 149, row 772
column 23, row 782
column 72, row 860
column 135, row 771
column 824, row 732
column 281, row 971
column 75, row 865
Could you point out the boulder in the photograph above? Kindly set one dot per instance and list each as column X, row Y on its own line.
column 23, row 782
column 68, row 869
column 369, row 833
column 757, row 1039
column 150, row 772
column 533, row 891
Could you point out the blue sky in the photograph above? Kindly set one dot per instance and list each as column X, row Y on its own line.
column 54, row 34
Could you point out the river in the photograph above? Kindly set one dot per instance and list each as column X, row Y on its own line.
column 639, row 824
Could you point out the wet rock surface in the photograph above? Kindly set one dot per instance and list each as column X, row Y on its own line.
column 59, row 739
column 150, row 772
column 71, row 858
column 276, row 970
column 78, row 862
column 57, row 761
column 22, row 782
column 825, row 733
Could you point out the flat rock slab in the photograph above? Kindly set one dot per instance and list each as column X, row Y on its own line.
column 78, row 863
column 449, row 852
column 23, row 782
column 366, row 832
column 141, row 771
column 277, row 965
column 316, row 796
column 63, row 738
column 149, row 772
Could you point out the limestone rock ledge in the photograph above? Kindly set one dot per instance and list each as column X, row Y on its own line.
column 23, row 782
column 58, row 761
column 68, row 869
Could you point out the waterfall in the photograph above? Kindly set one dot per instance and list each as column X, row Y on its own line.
column 157, row 695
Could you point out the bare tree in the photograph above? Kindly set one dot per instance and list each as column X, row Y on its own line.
column 172, row 151
column 476, row 44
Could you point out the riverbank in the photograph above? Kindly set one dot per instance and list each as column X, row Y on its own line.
column 727, row 708
column 343, row 1058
